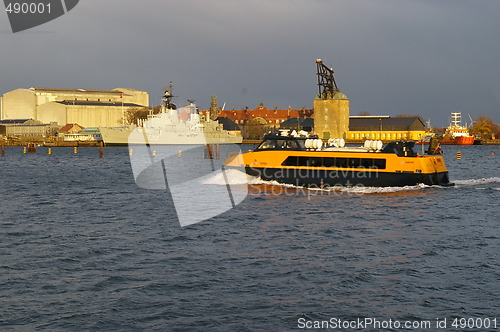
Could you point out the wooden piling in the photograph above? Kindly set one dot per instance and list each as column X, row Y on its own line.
column 209, row 154
column 217, row 151
column 101, row 150
column 31, row 148
column 3, row 150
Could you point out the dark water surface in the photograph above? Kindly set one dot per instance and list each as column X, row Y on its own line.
column 83, row 248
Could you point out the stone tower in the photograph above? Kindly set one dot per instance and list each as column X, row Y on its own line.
column 331, row 107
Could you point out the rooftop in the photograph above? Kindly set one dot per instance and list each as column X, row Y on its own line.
column 40, row 89
column 97, row 103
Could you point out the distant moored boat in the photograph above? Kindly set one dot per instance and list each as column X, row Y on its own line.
column 456, row 134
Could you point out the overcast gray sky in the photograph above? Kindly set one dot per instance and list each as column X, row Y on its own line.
column 427, row 57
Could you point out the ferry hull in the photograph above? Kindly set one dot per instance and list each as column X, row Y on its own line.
column 331, row 178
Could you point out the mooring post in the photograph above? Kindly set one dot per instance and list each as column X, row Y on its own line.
column 75, row 150
column 49, row 151
column 209, row 152
column 101, row 150
column 3, row 150
column 31, row 148
column 217, row 151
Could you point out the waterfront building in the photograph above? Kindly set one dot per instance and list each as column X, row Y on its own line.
column 385, row 128
column 263, row 115
column 298, row 124
column 27, row 128
column 88, row 108
column 361, row 128
column 70, row 128
column 255, row 123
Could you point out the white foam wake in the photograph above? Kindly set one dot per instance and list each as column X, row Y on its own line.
column 234, row 176
column 358, row 190
column 230, row 176
column 476, row 182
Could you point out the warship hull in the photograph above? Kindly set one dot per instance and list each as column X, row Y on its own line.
column 139, row 135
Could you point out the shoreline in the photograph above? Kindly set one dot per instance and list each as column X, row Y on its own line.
column 97, row 144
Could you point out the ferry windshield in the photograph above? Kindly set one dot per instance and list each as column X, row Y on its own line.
column 288, row 144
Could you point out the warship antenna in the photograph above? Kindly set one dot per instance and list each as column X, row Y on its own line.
column 167, row 97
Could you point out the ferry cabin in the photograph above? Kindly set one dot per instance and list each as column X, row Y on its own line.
column 292, row 160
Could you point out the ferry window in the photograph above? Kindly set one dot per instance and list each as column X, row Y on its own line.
column 366, row 162
column 379, row 163
column 301, row 143
column 291, row 161
column 303, row 161
column 329, row 162
column 341, row 162
column 353, row 162
column 291, row 145
column 267, row 144
column 280, row 144
column 316, row 161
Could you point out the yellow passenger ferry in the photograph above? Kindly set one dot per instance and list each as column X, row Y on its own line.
column 305, row 161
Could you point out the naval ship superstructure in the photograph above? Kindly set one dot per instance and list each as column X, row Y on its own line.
column 172, row 125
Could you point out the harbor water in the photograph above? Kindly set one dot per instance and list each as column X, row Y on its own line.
column 82, row 247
